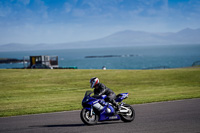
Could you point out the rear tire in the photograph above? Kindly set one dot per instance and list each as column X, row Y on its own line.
column 130, row 116
column 87, row 119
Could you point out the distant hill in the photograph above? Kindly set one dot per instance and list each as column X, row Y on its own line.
column 122, row 38
column 129, row 38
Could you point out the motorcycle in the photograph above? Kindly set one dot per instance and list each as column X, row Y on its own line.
column 96, row 109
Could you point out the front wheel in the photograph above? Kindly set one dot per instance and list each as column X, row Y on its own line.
column 130, row 116
column 87, row 118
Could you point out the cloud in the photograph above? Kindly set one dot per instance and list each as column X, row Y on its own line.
column 67, row 7
column 71, row 20
column 22, row 12
column 25, row 2
column 4, row 10
column 41, row 8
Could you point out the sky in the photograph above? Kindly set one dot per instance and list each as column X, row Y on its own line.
column 61, row 21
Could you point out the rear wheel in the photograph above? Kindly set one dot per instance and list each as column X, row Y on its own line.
column 130, row 116
column 87, row 118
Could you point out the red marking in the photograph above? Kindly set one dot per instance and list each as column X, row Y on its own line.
column 96, row 82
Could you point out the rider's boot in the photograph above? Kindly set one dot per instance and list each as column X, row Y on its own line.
column 116, row 105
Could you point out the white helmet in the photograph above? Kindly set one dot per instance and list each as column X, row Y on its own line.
column 94, row 81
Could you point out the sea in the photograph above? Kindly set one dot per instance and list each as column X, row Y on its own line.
column 135, row 57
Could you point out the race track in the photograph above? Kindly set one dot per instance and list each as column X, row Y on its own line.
column 181, row 116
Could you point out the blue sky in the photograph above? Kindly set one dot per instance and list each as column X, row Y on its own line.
column 59, row 21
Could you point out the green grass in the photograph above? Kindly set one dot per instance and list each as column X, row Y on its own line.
column 39, row 91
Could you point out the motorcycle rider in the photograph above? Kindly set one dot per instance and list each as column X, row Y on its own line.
column 101, row 89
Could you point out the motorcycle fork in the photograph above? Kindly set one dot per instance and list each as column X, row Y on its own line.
column 91, row 111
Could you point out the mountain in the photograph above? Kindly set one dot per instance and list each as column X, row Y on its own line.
column 13, row 47
column 128, row 38
column 119, row 39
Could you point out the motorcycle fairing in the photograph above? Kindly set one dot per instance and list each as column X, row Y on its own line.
column 120, row 97
column 105, row 116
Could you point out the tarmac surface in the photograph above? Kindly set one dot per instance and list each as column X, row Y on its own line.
column 182, row 116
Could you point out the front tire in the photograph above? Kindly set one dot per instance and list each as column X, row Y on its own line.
column 87, row 119
column 130, row 116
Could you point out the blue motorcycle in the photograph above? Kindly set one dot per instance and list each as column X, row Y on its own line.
column 96, row 109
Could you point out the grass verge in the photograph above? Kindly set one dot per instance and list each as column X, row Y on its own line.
column 41, row 91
